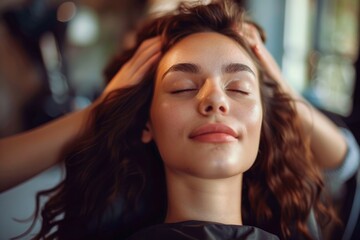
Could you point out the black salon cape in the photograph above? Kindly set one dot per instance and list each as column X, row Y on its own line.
column 199, row 230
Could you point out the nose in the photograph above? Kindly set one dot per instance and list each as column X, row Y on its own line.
column 213, row 99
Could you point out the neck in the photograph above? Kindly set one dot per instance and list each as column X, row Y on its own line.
column 214, row 200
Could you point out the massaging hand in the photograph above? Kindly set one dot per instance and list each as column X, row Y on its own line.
column 252, row 36
column 133, row 71
column 327, row 142
column 22, row 158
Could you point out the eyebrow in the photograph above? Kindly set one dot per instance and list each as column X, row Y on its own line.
column 237, row 67
column 195, row 68
column 183, row 67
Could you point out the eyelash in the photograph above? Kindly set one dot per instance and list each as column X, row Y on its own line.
column 194, row 89
column 183, row 90
column 238, row 91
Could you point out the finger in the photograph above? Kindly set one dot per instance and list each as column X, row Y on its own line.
column 262, row 57
column 141, row 59
column 251, row 34
column 143, row 56
column 132, row 71
column 259, row 54
column 145, row 46
column 269, row 63
column 151, row 62
column 127, row 76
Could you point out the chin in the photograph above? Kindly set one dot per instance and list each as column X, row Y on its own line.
column 221, row 169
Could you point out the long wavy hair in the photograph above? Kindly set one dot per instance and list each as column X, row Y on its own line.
column 115, row 184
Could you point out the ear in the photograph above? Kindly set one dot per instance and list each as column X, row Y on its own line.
column 147, row 135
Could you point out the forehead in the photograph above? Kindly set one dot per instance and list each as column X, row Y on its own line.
column 208, row 49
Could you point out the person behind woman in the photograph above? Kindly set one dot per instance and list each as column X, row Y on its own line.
column 205, row 136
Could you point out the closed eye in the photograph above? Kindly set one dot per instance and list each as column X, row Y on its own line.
column 184, row 90
column 238, row 91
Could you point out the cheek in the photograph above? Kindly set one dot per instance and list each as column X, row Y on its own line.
column 251, row 122
column 256, row 116
column 254, row 128
column 168, row 126
column 251, row 116
column 168, row 120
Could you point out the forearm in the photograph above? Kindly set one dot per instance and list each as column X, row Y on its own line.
column 26, row 154
column 327, row 142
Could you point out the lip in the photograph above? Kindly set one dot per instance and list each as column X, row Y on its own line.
column 215, row 132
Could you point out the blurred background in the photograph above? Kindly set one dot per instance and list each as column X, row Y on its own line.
column 53, row 52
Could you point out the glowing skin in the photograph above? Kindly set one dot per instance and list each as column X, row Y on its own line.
column 206, row 83
column 205, row 118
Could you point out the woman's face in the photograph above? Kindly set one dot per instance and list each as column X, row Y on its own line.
column 206, row 112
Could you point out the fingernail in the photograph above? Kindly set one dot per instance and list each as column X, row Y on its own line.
column 256, row 48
